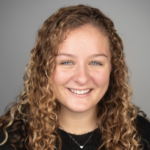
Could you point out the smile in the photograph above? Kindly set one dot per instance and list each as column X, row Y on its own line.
column 79, row 92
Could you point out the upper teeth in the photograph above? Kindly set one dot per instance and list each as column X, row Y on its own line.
column 80, row 92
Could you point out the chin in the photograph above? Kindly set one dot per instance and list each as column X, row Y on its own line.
column 79, row 109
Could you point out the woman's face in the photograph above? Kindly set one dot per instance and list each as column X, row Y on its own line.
column 83, row 67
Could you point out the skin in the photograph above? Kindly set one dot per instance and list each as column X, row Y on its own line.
column 83, row 62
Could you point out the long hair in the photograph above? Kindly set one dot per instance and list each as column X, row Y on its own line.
column 37, row 106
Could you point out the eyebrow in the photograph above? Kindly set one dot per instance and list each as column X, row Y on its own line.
column 93, row 55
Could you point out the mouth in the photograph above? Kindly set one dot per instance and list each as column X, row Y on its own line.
column 80, row 92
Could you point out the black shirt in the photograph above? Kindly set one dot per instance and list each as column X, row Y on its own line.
column 143, row 126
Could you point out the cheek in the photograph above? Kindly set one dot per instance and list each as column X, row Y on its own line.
column 101, row 78
column 60, row 76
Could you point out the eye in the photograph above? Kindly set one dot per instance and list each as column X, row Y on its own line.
column 95, row 63
column 67, row 63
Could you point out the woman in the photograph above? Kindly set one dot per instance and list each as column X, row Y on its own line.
column 76, row 93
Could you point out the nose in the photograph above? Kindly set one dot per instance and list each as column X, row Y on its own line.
column 81, row 75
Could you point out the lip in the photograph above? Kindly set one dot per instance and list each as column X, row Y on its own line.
column 80, row 95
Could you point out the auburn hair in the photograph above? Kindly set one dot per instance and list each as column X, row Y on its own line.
column 36, row 111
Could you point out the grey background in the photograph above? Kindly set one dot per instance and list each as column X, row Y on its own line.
column 20, row 21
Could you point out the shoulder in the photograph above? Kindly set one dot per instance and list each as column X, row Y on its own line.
column 12, row 136
column 143, row 127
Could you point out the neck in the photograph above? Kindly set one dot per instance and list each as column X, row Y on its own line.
column 77, row 122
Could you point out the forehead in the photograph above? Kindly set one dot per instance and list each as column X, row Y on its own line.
column 86, row 39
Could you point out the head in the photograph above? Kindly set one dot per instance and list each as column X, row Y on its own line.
column 65, row 24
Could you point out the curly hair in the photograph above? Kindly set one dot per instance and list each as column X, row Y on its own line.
column 37, row 105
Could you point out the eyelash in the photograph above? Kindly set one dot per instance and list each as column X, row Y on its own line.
column 64, row 63
column 97, row 63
